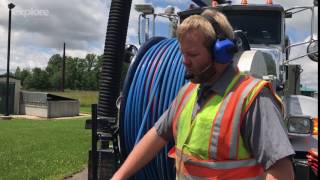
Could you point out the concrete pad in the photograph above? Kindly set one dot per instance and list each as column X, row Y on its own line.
column 41, row 118
column 5, row 117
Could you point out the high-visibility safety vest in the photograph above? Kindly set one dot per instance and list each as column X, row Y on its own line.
column 210, row 146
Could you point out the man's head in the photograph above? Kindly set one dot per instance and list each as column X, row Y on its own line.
column 197, row 36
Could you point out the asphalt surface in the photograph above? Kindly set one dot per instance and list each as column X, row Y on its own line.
column 82, row 175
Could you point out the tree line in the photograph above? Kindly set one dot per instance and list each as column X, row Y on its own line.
column 80, row 74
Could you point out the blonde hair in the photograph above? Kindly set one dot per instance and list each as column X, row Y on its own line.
column 200, row 23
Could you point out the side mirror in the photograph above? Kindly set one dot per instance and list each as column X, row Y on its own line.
column 312, row 50
column 241, row 40
column 300, row 125
column 288, row 15
column 129, row 52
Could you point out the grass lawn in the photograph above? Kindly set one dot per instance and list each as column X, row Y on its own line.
column 86, row 98
column 42, row 149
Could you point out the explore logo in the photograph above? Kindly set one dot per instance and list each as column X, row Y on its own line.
column 31, row 12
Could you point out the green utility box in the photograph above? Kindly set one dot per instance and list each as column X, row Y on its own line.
column 14, row 94
column 3, row 94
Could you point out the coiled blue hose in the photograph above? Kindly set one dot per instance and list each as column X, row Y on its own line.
column 156, row 79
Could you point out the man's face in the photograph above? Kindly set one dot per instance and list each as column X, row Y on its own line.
column 196, row 57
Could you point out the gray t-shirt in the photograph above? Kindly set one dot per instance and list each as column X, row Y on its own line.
column 263, row 129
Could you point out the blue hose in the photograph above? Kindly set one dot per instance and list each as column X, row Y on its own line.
column 151, row 84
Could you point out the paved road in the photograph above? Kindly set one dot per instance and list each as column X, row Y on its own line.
column 82, row 175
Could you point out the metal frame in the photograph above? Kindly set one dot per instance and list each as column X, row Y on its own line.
column 295, row 10
column 173, row 18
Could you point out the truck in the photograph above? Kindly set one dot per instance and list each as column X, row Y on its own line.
column 263, row 51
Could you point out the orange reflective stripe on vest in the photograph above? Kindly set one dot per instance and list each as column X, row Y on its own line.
column 230, row 123
column 222, row 121
column 222, row 174
column 210, row 169
column 180, row 102
column 263, row 84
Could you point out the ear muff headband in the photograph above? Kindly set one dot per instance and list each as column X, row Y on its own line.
column 222, row 48
column 216, row 27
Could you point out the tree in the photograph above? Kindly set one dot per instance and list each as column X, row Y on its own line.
column 71, row 73
column 38, row 80
column 81, row 74
column 41, row 77
column 17, row 73
column 24, row 75
column 90, row 61
column 54, row 64
column 53, row 69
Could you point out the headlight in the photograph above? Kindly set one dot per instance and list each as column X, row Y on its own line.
column 300, row 125
column 315, row 126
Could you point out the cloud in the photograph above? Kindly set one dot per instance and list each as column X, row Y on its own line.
column 66, row 21
column 175, row 2
column 183, row 4
column 40, row 28
column 31, row 58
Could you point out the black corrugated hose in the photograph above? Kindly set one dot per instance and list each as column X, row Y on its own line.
column 109, row 84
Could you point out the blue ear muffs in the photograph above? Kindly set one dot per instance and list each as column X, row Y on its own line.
column 223, row 49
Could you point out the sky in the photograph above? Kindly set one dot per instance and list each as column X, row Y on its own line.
column 39, row 29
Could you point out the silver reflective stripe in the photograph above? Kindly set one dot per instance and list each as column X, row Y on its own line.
column 182, row 177
column 224, row 164
column 216, row 128
column 217, row 164
column 217, row 123
column 236, row 118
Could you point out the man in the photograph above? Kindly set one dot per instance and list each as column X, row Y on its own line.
column 226, row 125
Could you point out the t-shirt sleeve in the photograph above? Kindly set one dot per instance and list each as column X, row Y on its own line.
column 164, row 124
column 263, row 130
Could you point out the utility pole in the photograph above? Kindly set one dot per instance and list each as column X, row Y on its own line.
column 10, row 6
column 63, row 66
